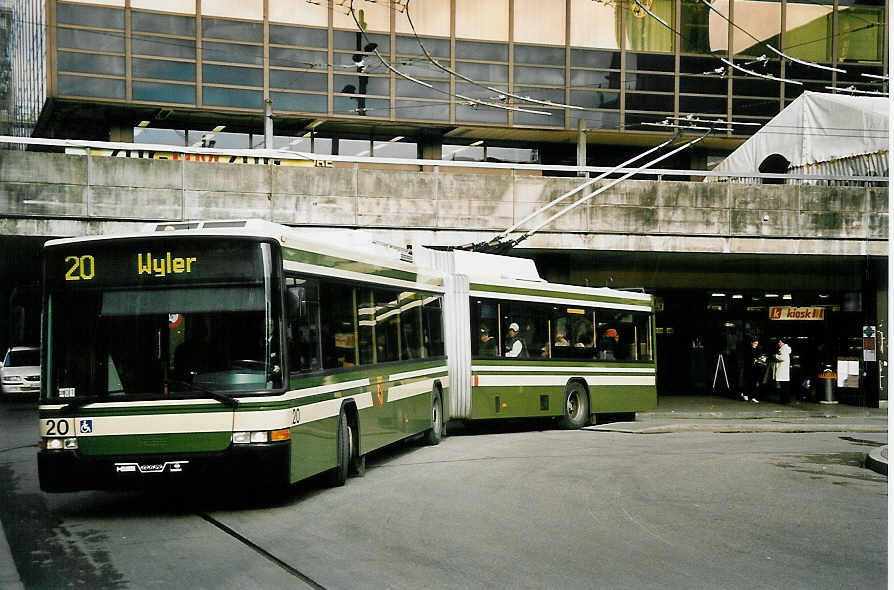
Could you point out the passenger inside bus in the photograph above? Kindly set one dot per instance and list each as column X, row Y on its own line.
column 488, row 346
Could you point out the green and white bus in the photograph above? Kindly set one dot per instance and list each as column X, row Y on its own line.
column 232, row 350
column 250, row 352
column 583, row 351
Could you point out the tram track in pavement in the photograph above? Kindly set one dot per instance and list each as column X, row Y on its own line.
column 261, row 551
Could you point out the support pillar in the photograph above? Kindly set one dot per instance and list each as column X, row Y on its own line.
column 581, row 146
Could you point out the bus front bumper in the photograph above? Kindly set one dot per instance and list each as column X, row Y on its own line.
column 253, row 466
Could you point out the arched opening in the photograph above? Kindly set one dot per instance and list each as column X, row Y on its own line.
column 774, row 164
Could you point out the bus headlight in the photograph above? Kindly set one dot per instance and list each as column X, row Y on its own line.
column 261, row 436
column 57, row 444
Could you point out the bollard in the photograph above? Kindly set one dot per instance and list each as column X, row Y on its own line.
column 827, row 382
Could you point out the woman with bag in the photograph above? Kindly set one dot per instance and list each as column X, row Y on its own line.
column 781, row 371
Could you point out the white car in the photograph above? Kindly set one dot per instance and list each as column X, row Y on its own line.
column 20, row 372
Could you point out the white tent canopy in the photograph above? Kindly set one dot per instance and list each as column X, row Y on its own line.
column 816, row 127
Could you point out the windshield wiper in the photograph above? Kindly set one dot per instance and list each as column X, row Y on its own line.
column 221, row 397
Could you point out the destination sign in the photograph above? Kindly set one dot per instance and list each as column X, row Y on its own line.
column 153, row 262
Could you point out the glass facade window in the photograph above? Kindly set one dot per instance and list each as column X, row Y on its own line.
column 483, row 72
column 761, row 20
column 435, row 47
column 535, row 75
column 164, row 47
column 354, row 41
column 699, row 32
column 595, row 100
column 363, row 107
column 157, row 92
column 595, row 79
column 650, row 82
column 363, row 85
column 111, row 41
column 554, row 94
column 232, row 52
column 644, row 33
column 298, row 58
column 808, row 31
column 584, row 58
column 861, row 31
column 232, row 30
column 480, row 92
column 703, row 104
column 481, row 114
column 596, row 120
column 164, row 70
column 300, row 36
column 556, row 118
column 409, row 89
column 290, row 80
column 482, row 51
column 650, row 102
column 90, row 86
column 704, row 85
column 168, row 24
column 650, row 62
column 232, row 97
column 212, row 74
column 539, row 55
column 89, row 16
column 596, row 24
column 299, row 103
column 91, row 63
column 428, row 111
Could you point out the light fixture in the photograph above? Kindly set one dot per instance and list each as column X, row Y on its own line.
column 314, row 124
column 787, row 296
column 718, row 294
column 737, row 296
column 479, row 142
column 143, row 124
column 218, row 129
column 398, row 138
column 824, row 295
column 771, row 295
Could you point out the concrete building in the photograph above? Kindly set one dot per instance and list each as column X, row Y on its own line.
column 301, row 76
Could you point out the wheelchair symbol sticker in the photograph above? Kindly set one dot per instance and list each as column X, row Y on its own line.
column 85, row 426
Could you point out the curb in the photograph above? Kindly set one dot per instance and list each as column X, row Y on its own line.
column 877, row 460
column 735, row 427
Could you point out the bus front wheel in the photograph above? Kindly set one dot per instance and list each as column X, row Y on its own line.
column 342, row 451
column 576, row 407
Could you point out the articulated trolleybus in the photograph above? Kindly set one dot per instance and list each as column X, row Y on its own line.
column 246, row 351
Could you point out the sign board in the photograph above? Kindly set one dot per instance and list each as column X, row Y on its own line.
column 206, row 158
column 784, row 312
column 869, row 343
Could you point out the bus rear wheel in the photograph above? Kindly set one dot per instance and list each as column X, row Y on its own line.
column 339, row 475
column 433, row 435
column 576, row 407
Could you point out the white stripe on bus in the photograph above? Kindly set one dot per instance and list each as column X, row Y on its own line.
column 419, row 373
column 560, row 380
column 560, row 300
column 547, row 369
column 152, row 424
column 331, row 407
column 398, row 392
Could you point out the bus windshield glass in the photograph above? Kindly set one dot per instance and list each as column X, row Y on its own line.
column 120, row 334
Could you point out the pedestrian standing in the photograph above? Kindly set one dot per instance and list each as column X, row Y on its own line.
column 754, row 371
column 781, row 371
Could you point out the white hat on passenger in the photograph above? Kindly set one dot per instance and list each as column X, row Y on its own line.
column 513, row 326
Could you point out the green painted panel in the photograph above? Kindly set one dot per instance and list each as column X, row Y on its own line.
column 313, row 448
column 583, row 297
column 522, row 402
column 134, row 444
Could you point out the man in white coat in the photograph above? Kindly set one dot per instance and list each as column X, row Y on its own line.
column 781, row 371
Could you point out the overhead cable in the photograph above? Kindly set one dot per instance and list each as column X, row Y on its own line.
column 471, row 81
column 468, row 99
column 767, row 45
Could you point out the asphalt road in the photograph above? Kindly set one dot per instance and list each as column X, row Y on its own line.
column 485, row 509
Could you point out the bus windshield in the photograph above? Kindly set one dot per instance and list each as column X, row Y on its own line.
column 126, row 341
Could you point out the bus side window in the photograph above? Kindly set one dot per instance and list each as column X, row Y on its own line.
column 302, row 326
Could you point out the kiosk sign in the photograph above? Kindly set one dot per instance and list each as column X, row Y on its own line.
column 783, row 312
